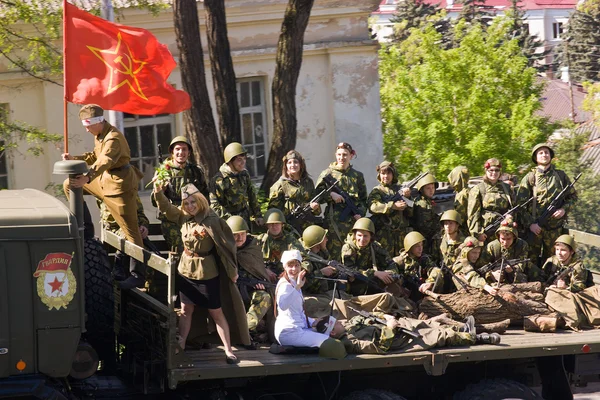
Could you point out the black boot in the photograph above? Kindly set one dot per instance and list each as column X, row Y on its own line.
column 118, row 271
column 137, row 277
column 487, row 338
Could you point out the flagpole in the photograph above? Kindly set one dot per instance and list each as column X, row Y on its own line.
column 114, row 117
column 65, row 104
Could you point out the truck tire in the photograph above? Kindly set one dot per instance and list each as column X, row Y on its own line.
column 373, row 394
column 496, row 389
column 99, row 302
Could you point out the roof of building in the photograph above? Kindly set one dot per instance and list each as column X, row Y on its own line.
column 386, row 8
column 591, row 150
column 556, row 101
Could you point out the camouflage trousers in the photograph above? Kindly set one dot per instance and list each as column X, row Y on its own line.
column 543, row 243
column 172, row 234
column 335, row 242
column 260, row 303
column 392, row 240
column 434, row 334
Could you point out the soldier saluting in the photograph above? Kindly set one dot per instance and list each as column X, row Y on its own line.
column 111, row 179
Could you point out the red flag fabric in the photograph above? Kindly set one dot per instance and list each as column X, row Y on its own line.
column 117, row 67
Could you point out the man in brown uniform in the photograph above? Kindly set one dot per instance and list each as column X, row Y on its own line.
column 111, row 179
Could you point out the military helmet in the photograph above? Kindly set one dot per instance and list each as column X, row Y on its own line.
column 274, row 216
column 539, row 146
column 332, row 348
column 450, row 215
column 179, row 139
column 364, row 224
column 508, row 225
column 237, row 224
column 427, row 179
column 411, row 239
column 313, row 235
column 232, row 150
column 568, row 240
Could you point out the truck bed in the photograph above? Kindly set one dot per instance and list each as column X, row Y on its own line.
column 516, row 343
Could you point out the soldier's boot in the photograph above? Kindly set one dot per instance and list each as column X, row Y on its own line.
column 118, row 272
column 487, row 338
column 469, row 325
column 137, row 278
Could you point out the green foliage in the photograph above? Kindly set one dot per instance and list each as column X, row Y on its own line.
column 477, row 12
column 530, row 44
column 411, row 14
column 12, row 134
column 460, row 106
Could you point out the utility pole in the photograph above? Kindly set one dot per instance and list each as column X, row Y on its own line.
column 570, row 83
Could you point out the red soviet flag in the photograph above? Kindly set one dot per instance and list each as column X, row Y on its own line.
column 117, row 67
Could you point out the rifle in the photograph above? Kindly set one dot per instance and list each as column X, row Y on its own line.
column 409, row 185
column 559, row 275
column 444, row 269
column 152, row 247
column 345, row 271
column 350, row 209
column 160, row 157
column 244, row 282
column 556, row 203
column 372, row 316
column 500, row 263
column 304, row 212
column 495, row 224
column 273, row 266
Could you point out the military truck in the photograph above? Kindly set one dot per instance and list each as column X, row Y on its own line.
column 67, row 332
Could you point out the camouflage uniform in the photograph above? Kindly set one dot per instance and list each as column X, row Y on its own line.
column 353, row 183
column 272, row 247
column 465, row 270
column 366, row 336
column 286, row 194
column 366, row 261
column 459, row 180
column 547, row 185
column 391, row 225
column 425, row 221
column 314, row 286
column 415, row 270
column 234, row 194
column 523, row 272
column 174, row 179
column 486, row 203
column 576, row 280
column 449, row 248
column 260, row 301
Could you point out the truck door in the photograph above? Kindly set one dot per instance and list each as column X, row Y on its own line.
column 4, row 331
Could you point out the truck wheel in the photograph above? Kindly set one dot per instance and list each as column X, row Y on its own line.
column 99, row 302
column 496, row 389
column 373, row 394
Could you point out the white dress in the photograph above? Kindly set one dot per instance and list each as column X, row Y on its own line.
column 292, row 326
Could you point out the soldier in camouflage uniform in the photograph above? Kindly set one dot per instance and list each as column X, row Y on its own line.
column 452, row 237
column 414, row 264
column 276, row 240
column 459, row 180
column 566, row 257
column 464, row 267
column 294, row 188
column 259, row 301
column 314, row 240
column 424, row 219
column 353, row 183
column 174, row 173
column 488, row 200
column 366, row 256
column 365, row 335
column 544, row 183
column 231, row 189
column 390, row 217
column 509, row 246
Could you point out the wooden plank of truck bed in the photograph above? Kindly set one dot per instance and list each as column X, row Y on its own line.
column 210, row 364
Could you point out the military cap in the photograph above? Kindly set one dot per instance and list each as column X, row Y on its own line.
column 492, row 162
column 568, row 240
column 387, row 165
column 188, row 190
column 91, row 114
column 508, row 225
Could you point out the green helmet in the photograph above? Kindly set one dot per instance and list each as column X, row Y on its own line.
column 179, row 139
column 332, row 348
column 427, row 179
column 313, row 235
column 274, row 216
column 232, row 150
column 237, row 224
column 411, row 239
column 568, row 240
column 539, row 146
column 364, row 224
column 451, row 215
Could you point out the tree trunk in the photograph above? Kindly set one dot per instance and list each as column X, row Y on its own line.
column 287, row 70
column 198, row 120
column 222, row 72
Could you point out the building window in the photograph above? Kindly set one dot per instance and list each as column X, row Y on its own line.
column 557, row 30
column 144, row 134
column 3, row 156
column 251, row 98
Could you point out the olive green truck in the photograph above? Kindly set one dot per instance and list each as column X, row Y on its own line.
column 66, row 332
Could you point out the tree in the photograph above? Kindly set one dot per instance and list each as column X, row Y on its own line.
column 411, row 14
column 287, row 70
column 198, row 120
column 581, row 40
column 476, row 11
column 531, row 46
column 468, row 103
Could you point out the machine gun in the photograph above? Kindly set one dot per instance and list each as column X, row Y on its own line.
column 350, row 209
column 399, row 196
column 304, row 212
column 500, row 263
column 445, row 270
column 372, row 316
column 556, row 203
column 347, row 272
column 558, row 276
column 491, row 228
